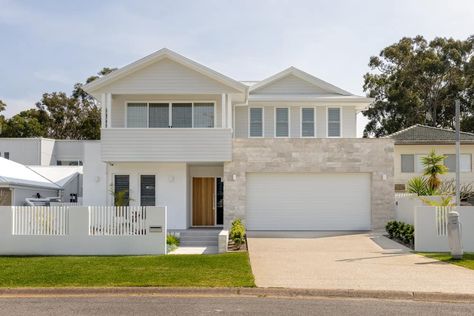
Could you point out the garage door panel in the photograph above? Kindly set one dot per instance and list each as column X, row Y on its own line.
column 311, row 201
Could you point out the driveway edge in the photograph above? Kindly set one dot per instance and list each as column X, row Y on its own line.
column 233, row 292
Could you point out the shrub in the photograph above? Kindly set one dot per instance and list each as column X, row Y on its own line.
column 420, row 186
column 237, row 232
column 172, row 242
column 401, row 231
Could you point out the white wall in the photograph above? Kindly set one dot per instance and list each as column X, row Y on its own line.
column 426, row 236
column 79, row 242
column 21, row 193
column 46, row 152
column 95, row 175
column 171, row 187
column 406, row 205
column 22, row 150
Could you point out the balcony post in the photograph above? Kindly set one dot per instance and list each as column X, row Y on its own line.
column 223, row 110
column 102, row 111
column 108, row 102
column 229, row 111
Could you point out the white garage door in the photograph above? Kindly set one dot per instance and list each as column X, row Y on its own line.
column 309, row 201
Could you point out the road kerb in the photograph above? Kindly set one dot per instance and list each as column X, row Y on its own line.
column 232, row 292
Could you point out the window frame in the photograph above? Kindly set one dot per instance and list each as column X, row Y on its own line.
column 129, row 186
column 275, row 121
column 314, row 121
column 170, row 113
column 140, row 186
column 462, row 154
column 414, row 163
column 340, row 121
column 250, row 122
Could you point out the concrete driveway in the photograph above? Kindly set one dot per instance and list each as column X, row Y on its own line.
column 354, row 261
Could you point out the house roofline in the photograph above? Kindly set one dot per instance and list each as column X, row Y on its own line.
column 302, row 75
column 156, row 56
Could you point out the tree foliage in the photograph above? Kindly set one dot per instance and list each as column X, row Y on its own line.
column 416, row 82
column 58, row 115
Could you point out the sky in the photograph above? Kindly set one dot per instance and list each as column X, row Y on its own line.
column 48, row 46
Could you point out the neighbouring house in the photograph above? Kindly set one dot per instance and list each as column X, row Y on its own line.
column 39, row 151
column 281, row 153
column 412, row 143
column 18, row 182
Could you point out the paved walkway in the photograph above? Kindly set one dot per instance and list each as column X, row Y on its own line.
column 357, row 261
column 194, row 250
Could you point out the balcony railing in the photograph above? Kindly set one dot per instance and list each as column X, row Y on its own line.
column 163, row 144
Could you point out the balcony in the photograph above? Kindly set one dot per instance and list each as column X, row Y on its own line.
column 166, row 144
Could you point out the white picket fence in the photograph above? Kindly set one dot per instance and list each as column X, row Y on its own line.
column 442, row 220
column 117, row 221
column 82, row 230
column 40, row 220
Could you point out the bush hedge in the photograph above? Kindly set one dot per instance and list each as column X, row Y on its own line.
column 401, row 231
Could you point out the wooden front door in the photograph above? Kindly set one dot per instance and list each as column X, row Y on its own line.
column 203, row 202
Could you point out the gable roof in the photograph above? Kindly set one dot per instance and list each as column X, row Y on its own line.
column 302, row 75
column 60, row 175
column 422, row 134
column 159, row 55
column 16, row 174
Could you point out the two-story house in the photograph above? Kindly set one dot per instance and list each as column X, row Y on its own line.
column 281, row 153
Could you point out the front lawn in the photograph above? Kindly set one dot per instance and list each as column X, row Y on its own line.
column 223, row 270
column 466, row 262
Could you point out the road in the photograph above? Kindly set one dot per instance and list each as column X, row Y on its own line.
column 237, row 305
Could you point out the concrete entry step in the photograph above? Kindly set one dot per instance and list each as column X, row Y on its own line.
column 199, row 237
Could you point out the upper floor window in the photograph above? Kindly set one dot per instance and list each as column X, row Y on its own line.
column 158, row 115
column 203, row 115
column 137, row 115
column 334, row 122
column 256, row 122
column 164, row 115
column 182, row 115
column 281, row 122
column 307, row 122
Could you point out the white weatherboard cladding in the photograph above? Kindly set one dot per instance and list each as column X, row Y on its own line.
column 166, row 144
column 308, row 201
column 290, row 84
column 167, row 76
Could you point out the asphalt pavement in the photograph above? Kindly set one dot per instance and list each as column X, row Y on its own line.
column 188, row 305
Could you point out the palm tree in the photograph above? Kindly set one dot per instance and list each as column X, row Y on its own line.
column 433, row 166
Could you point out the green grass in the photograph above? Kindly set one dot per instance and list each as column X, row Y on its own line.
column 466, row 262
column 223, row 270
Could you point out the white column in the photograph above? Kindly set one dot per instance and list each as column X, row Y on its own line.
column 223, row 110
column 109, row 109
column 229, row 111
column 102, row 110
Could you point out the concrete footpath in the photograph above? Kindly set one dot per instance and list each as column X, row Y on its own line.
column 233, row 292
